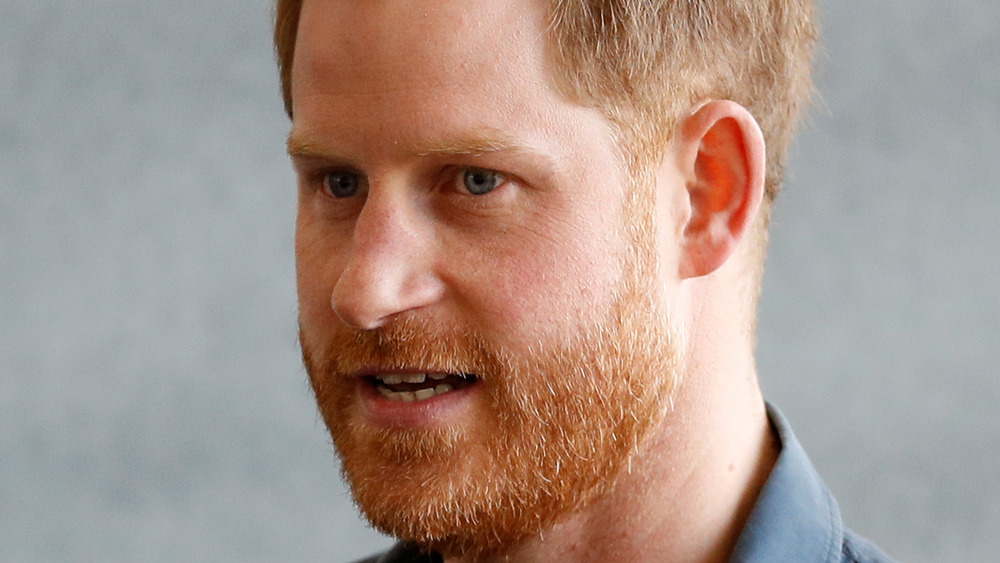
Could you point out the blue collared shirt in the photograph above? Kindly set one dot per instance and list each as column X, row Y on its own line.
column 795, row 518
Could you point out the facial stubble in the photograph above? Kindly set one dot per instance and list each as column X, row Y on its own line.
column 554, row 429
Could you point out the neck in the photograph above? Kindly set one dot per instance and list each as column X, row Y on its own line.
column 689, row 491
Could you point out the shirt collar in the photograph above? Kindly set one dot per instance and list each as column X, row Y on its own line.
column 795, row 517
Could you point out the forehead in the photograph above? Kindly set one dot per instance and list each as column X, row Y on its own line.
column 379, row 80
column 373, row 47
column 459, row 24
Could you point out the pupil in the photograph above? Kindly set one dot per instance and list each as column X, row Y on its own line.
column 342, row 184
column 479, row 181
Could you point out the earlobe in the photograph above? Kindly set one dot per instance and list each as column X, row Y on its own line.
column 720, row 152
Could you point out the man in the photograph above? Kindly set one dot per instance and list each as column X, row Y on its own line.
column 529, row 245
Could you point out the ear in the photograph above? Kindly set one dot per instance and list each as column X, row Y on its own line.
column 720, row 154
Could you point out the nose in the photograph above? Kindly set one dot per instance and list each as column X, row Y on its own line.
column 390, row 267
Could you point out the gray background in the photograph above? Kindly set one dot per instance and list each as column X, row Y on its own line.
column 151, row 401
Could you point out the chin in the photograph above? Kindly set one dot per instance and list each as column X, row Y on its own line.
column 536, row 439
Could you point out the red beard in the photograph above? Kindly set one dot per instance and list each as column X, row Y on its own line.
column 553, row 425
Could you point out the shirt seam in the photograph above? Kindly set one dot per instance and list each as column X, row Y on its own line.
column 832, row 539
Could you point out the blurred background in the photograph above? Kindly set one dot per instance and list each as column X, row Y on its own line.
column 152, row 405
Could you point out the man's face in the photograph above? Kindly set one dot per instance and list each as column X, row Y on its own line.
column 482, row 327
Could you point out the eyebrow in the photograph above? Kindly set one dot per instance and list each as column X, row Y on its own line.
column 298, row 146
column 540, row 165
column 479, row 142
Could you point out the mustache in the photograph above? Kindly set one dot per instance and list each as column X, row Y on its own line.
column 406, row 343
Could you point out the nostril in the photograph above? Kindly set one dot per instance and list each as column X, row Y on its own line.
column 359, row 296
column 365, row 298
column 356, row 313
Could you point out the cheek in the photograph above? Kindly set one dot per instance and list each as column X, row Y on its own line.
column 546, row 280
column 316, row 267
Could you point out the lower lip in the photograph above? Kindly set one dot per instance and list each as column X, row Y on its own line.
column 435, row 411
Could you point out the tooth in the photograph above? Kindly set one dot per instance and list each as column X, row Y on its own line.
column 384, row 391
column 414, row 377
column 406, row 396
column 443, row 388
column 391, row 378
column 424, row 394
column 437, row 376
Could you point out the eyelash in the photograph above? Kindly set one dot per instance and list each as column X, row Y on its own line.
column 328, row 187
column 499, row 177
column 455, row 179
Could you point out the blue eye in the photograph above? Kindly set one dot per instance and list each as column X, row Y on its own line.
column 342, row 183
column 480, row 181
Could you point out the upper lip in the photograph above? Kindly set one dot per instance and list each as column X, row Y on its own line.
column 380, row 371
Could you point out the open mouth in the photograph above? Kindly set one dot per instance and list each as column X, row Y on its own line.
column 408, row 387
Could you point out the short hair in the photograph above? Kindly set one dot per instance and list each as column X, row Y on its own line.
column 647, row 63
